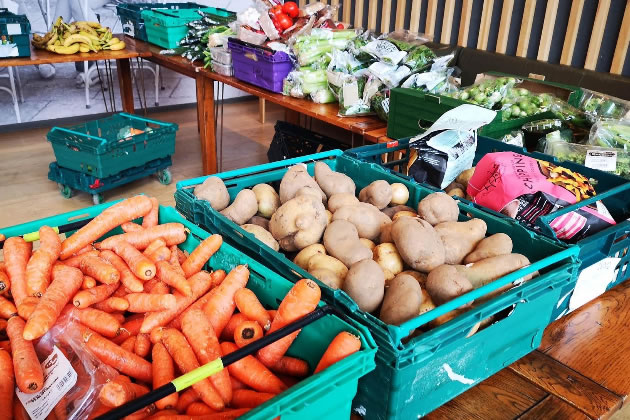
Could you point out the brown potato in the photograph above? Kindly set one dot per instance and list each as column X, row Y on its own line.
column 402, row 300
column 365, row 284
column 437, row 208
column 460, row 238
column 418, row 243
column 492, row 246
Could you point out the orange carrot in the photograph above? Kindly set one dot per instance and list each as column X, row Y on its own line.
column 170, row 276
column 200, row 284
column 7, row 308
column 223, row 415
column 185, row 399
column 6, row 344
column 129, row 344
column 247, row 332
column 198, row 304
column 272, row 313
column 151, row 219
column 7, row 385
column 142, row 347
column 3, row 324
column 29, row 376
column 162, row 414
column 5, row 283
column 121, row 291
column 117, row 392
column 39, row 267
column 236, row 384
column 88, row 282
column 130, row 327
column 96, row 294
column 100, row 269
column 114, row 216
column 157, row 288
column 201, row 254
column 253, row 373
column 198, row 408
column 301, row 300
column 109, row 353
column 172, row 233
column 75, row 261
column 291, row 366
column 185, row 358
column 85, row 249
column 16, row 255
column 127, row 278
column 26, row 308
column 200, row 335
column 181, row 256
column 174, row 260
column 160, row 254
column 154, row 246
column 112, row 304
column 146, row 302
column 246, row 398
column 220, row 306
column 101, row 322
column 343, row 345
column 19, row 412
column 289, row 381
column 139, row 264
column 163, row 373
column 249, row 305
column 119, row 317
column 236, row 320
column 66, row 282
column 130, row 227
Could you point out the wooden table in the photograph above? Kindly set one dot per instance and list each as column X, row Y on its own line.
column 122, row 65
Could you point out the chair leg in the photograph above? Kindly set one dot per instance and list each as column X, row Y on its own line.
column 86, row 80
column 156, row 75
column 19, row 84
column 14, row 95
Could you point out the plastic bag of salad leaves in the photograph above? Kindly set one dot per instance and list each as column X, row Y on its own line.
column 597, row 105
column 380, row 104
column 488, row 92
column 355, row 94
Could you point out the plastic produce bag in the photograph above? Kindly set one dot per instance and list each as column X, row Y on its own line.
column 606, row 159
column 597, row 105
column 520, row 102
column 611, row 133
column 515, row 138
column 323, row 96
column 384, row 51
column 488, row 92
column 380, row 104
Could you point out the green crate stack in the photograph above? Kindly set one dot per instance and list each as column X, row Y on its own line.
column 327, row 394
column 412, row 379
column 14, row 35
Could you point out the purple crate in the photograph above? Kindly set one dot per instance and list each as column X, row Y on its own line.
column 259, row 66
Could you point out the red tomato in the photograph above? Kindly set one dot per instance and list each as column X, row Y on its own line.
column 284, row 21
column 340, row 26
column 291, row 9
column 275, row 10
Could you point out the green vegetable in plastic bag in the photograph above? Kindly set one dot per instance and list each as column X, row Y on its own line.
column 380, row 104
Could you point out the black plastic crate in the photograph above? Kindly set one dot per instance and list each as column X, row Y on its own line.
column 292, row 141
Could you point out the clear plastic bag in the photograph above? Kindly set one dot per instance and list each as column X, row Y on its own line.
column 514, row 138
column 355, row 94
column 569, row 114
column 520, row 102
column 598, row 105
column 488, row 92
column 611, row 133
column 607, row 159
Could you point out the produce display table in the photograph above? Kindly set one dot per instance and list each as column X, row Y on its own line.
column 122, row 64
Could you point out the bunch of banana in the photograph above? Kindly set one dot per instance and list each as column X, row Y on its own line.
column 80, row 36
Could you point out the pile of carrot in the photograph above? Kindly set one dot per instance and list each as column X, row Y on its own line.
column 152, row 313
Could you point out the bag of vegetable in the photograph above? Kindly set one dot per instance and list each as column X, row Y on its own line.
column 606, row 159
column 597, row 105
column 488, row 92
column 355, row 95
column 611, row 133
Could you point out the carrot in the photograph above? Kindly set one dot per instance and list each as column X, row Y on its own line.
column 142, row 347
column 7, row 308
column 220, row 306
column 19, row 412
column 129, row 344
column 174, row 260
column 130, row 227
column 151, row 218
column 172, row 233
column 65, row 284
column 224, row 415
column 121, row 291
column 127, row 278
column 16, row 255
column 246, row 398
column 112, row 304
column 160, row 254
column 200, row 284
column 39, row 267
column 5, row 283
column 29, row 376
column 163, row 373
column 289, row 381
column 27, row 306
column 75, row 261
column 6, row 344
column 88, row 282
column 154, row 246
column 185, row 399
column 139, row 264
column 236, row 384
column 184, row 357
column 200, row 335
column 198, row 408
column 3, row 325
column 198, row 304
column 157, row 288
column 301, row 300
column 96, row 294
column 109, row 353
column 236, row 320
column 117, row 392
column 247, row 332
column 114, row 216
column 7, row 385
column 100, row 269
column 146, row 302
column 181, row 256
column 291, row 366
column 119, row 317
column 249, row 305
column 170, row 276
column 162, row 414
column 129, row 328
column 103, row 323
column 272, row 313
column 201, row 254
column 343, row 345
column 85, row 249
column 252, row 373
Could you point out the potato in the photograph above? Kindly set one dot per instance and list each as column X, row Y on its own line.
column 365, row 284
column 328, row 277
column 243, row 208
column 445, row 283
column 487, row 270
column 329, row 216
column 404, row 214
column 420, row 277
column 337, row 201
column 391, row 211
column 402, row 300
column 378, row 193
column 268, row 200
column 492, row 246
column 213, row 190
column 400, row 194
column 386, row 234
column 293, row 180
column 321, row 261
column 449, row 316
column 453, row 186
column 312, row 192
column 365, row 217
column 418, row 244
column 367, row 243
column 386, row 255
column 437, row 208
column 262, row 235
column 427, row 303
column 298, row 223
column 464, row 177
column 341, row 240
column 303, row 257
column 332, row 182
column 460, row 238
column 456, row 192
column 260, row 221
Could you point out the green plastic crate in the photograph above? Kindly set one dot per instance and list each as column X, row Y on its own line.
column 327, row 394
column 130, row 15
column 397, row 389
column 100, row 148
column 166, row 27
column 14, row 35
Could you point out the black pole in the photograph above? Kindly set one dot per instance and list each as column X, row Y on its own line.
column 66, row 228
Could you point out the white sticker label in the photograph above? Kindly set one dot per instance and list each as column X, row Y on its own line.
column 593, row 281
column 14, row 29
column 59, row 378
column 604, row 160
column 350, row 94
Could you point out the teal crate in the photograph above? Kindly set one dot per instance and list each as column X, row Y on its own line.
column 101, row 148
column 327, row 394
column 166, row 27
column 612, row 190
column 130, row 15
column 394, row 390
column 14, row 35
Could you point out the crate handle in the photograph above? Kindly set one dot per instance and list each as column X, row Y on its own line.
column 135, row 117
column 433, row 98
column 102, row 140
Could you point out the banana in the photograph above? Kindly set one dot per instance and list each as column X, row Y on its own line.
column 72, row 49
column 117, row 46
column 94, row 24
column 93, row 38
column 76, row 38
column 57, row 43
column 113, row 41
column 86, row 28
column 53, row 39
column 84, row 48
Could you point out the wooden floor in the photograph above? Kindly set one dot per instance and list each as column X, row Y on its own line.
column 26, row 193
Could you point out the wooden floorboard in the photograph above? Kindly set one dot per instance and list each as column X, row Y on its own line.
column 552, row 408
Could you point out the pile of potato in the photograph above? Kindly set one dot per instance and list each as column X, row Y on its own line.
column 394, row 261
